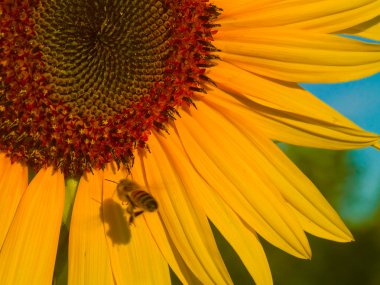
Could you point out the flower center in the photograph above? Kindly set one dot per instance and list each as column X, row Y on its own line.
column 84, row 83
column 104, row 56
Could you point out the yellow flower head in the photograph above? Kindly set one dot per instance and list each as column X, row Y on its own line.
column 165, row 113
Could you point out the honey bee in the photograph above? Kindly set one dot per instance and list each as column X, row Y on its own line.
column 137, row 199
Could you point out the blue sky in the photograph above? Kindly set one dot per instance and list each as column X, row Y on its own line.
column 360, row 101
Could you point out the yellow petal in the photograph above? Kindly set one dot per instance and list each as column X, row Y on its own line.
column 244, row 241
column 312, row 210
column 228, row 5
column 320, row 15
column 29, row 250
column 300, row 72
column 283, row 111
column 89, row 261
column 13, row 182
column 160, row 235
column 369, row 29
column 233, row 12
column 4, row 163
column 183, row 218
column 299, row 56
column 132, row 248
column 287, row 39
column 345, row 18
column 231, row 170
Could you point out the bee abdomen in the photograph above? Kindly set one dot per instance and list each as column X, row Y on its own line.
column 144, row 200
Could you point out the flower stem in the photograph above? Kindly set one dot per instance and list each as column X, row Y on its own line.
column 61, row 263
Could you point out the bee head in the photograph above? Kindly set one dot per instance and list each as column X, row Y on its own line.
column 125, row 186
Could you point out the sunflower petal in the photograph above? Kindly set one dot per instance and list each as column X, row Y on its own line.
column 299, row 56
column 89, row 261
column 334, row 23
column 13, row 182
column 228, row 5
column 314, row 213
column 220, row 213
column 160, row 235
column 369, row 29
column 184, row 219
column 229, row 165
column 319, row 15
column 312, row 210
column 132, row 249
column 283, row 111
column 29, row 250
column 119, row 235
column 4, row 163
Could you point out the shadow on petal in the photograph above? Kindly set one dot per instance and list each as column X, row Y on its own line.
column 113, row 215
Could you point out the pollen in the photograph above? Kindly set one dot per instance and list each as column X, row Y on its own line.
column 84, row 83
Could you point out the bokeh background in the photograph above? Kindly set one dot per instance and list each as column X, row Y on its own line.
column 350, row 180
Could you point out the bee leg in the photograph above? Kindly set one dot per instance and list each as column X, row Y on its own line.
column 133, row 215
column 131, row 219
column 131, row 212
column 138, row 213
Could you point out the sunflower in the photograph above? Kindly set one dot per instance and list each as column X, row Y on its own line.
column 183, row 101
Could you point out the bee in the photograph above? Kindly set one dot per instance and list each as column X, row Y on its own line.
column 137, row 199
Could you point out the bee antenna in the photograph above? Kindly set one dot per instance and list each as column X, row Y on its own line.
column 111, row 181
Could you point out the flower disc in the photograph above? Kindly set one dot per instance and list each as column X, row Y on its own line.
column 84, row 83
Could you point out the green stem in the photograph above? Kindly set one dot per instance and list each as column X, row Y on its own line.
column 61, row 263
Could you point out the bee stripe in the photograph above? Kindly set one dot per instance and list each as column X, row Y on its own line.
column 144, row 200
